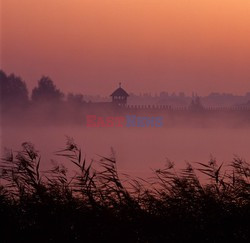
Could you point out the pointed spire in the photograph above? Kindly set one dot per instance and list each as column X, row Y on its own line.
column 120, row 84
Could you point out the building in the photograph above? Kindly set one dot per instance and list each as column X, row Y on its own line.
column 119, row 96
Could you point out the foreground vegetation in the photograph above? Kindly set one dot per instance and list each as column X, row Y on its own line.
column 88, row 204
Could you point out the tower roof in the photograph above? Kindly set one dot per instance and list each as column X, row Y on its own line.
column 120, row 92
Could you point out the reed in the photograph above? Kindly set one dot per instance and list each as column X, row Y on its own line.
column 96, row 204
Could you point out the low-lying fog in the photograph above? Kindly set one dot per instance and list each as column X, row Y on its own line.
column 137, row 149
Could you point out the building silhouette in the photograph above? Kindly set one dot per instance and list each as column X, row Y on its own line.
column 119, row 96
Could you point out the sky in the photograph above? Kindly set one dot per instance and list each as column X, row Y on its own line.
column 89, row 46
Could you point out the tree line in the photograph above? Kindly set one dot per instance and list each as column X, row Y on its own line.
column 14, row 92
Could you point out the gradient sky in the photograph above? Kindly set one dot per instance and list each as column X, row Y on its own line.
column 89, row 46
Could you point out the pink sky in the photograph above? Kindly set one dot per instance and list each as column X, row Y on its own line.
column 89, row 46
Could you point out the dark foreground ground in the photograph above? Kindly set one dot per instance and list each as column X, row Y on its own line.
column 95, row 205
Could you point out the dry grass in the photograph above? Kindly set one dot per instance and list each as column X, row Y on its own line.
column 95, row 206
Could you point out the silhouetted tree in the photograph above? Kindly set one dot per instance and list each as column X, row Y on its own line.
column 75, row 99
column 46, row 91
column 196, row 104
column 13, row 91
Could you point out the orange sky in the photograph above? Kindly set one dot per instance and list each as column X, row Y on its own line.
column 89, row 46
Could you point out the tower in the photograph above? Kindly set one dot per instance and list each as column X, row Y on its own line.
column 119, row 96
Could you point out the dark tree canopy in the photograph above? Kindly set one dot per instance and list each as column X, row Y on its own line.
column 46, row 91
column 75, row 99
column 13, row 90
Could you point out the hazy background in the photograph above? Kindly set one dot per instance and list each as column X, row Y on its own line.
column 150, row 45
column 88, row 46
